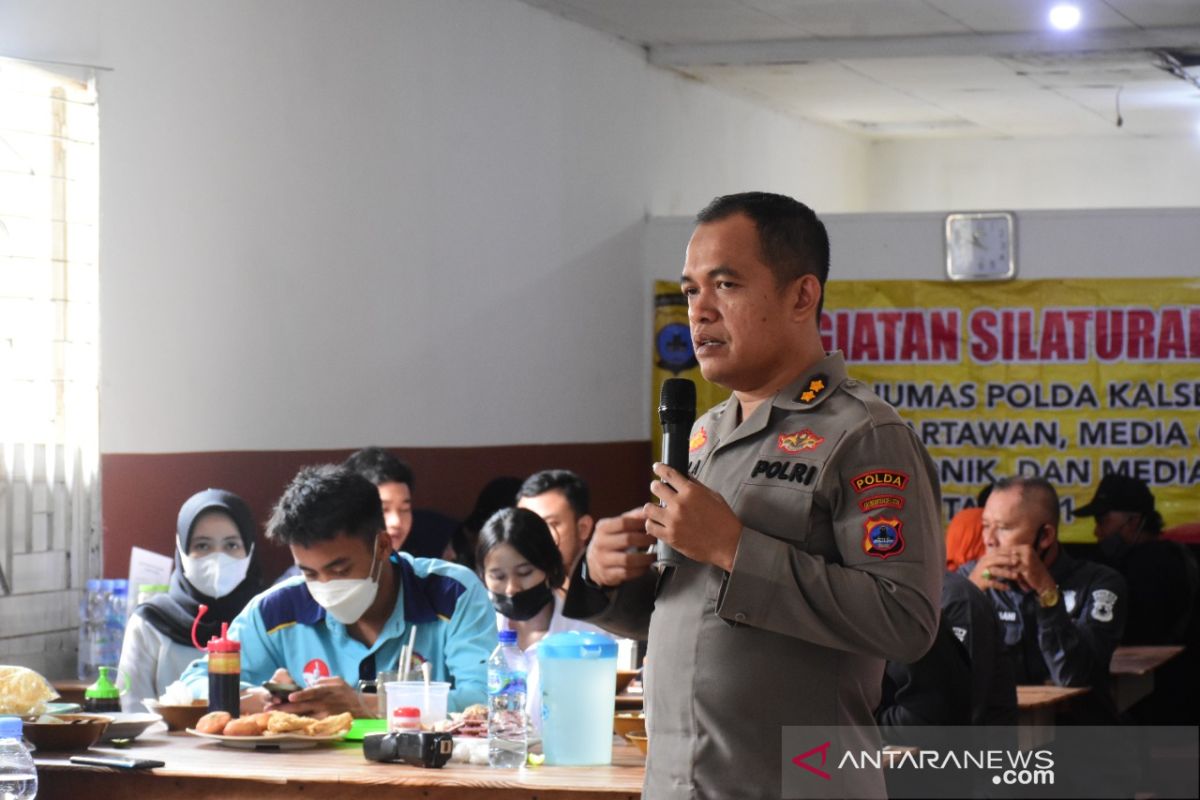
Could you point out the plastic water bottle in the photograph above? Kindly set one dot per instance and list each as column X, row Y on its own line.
column 88, row 635
column 116, row 613
column 18, row 775
column 508, row 737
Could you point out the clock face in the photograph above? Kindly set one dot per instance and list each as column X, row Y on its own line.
column 979, row 246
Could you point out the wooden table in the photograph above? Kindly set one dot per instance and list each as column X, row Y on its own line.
column 1132, row 670
column 1036, row 707
column 196, row 768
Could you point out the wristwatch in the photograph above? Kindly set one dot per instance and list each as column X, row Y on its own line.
column 1048, row 598
column 583, row 573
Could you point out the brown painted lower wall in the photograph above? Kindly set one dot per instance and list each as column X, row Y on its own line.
column 141, row 493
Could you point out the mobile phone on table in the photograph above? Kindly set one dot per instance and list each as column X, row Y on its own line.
column 117, row 762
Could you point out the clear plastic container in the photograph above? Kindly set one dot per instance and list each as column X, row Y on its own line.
column 578, row 677
column 18, row 775
column 433, row 699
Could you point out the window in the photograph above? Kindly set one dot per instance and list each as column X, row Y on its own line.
column 49, row 440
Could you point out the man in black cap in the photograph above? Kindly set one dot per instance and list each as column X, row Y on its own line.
column 1163, row 584
column 1162, row 575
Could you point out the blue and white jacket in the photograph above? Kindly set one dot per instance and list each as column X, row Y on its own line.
column 285, row 627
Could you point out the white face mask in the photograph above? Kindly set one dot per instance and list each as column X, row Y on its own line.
column 347, row 599
column 217, row 574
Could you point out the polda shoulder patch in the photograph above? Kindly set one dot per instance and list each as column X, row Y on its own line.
column 879, row 479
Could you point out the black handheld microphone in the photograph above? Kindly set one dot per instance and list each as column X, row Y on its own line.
column 676, row 412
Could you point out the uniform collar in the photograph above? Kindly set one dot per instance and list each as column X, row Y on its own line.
column 816, row 384
column 806, row 392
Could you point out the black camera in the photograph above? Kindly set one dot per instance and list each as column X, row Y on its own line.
column 417, row 748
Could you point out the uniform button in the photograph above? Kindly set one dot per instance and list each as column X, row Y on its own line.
column 740, row 617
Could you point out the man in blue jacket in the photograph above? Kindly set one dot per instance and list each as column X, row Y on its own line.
column 354, row 606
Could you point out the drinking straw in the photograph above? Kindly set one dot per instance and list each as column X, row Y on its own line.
column 425, row 697
column 406, row 655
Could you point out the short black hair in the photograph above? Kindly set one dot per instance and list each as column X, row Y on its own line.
column 793, row 240
column 499, row 493
column 573, row 487
column 1035, row 490
column 324, row 502
column 379, row 467
column 529, row 535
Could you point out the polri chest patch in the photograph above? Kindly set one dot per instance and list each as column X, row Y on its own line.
column 799, row 441
column 785, row 471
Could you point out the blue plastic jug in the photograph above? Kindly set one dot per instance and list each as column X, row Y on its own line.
column 578, row 677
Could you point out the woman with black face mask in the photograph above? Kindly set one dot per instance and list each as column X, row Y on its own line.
column 523, row 570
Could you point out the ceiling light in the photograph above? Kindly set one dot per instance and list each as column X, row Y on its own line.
column 1064, row 17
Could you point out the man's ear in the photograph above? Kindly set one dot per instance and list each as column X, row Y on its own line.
column 805, row 295
column 1045, row 538
column 586, row 525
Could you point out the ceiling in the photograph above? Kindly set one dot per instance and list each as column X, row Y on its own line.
column 905, row 69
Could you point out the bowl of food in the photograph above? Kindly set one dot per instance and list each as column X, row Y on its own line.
column 628, row 722
column 128, row 726
column 65, row 731
column 624, row 678
column 178, row 717
column 639, row 740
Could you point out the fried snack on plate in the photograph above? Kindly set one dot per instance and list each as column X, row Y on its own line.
column 282, row 722
column 339, row 723
column 261, row 720
column 23, row 692
column 213, row 722
column 476, row 711
column 242, row 726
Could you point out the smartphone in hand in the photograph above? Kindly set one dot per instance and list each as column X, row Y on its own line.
column 280, row 691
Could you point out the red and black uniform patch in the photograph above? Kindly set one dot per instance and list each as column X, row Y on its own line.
column 884, row 537
column 876, row 502
column 879, row 479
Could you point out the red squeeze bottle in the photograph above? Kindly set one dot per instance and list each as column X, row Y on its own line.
column 224, row 669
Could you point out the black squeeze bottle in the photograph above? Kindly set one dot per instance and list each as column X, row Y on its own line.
column 224, row 669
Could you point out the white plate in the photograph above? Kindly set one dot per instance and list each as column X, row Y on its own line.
column 128, row 726
column 274, row 741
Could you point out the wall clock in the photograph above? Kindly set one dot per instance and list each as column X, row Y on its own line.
column 980, row 247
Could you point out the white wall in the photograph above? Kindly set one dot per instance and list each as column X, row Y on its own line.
column 412, row 221
column 974, row 174
column 423, row 221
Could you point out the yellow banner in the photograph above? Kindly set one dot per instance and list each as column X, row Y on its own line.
column 1067, row 379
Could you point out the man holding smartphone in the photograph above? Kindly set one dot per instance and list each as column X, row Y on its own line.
column 1061, row 618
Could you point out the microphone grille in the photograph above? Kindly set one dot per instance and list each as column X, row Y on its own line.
column 678, row 395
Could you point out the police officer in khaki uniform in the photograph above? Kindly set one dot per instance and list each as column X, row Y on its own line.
column 810, row 525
